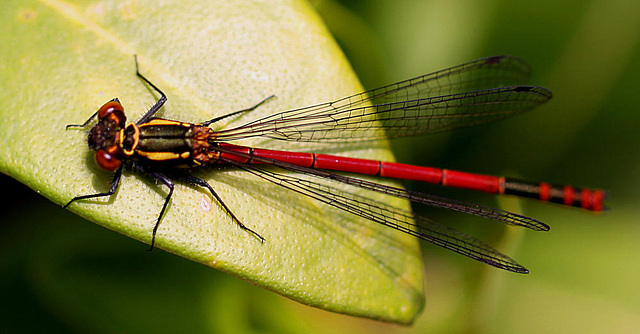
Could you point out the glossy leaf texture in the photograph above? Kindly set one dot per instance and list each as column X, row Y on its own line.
column 61, row 60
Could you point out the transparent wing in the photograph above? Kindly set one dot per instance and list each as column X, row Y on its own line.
column 463, row 95
column 393, row 217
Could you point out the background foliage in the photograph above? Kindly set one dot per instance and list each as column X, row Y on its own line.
column 584, row 271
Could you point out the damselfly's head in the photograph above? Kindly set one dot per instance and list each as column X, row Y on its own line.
column 104, row 137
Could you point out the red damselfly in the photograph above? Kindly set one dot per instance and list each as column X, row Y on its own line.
column 478, row 92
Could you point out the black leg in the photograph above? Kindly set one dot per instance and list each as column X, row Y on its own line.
column 112, row 189
column 163, row 98
column 166, row 181
column 237, row 112
column 200, row 182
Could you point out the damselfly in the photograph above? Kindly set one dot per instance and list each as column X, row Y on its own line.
column 478, row 92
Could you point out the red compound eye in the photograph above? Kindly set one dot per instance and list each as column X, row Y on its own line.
column 107, row 160
column 114, row 110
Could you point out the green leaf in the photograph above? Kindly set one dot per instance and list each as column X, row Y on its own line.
column 60, row 61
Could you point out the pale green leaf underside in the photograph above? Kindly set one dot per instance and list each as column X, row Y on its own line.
column 61, row 60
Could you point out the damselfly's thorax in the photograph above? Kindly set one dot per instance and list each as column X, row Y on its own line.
column 167, row 143
column 157, row 143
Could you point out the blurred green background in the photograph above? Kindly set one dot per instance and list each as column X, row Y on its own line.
column 59, row 273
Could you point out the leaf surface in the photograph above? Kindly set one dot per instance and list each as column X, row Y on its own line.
column 61, row 60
